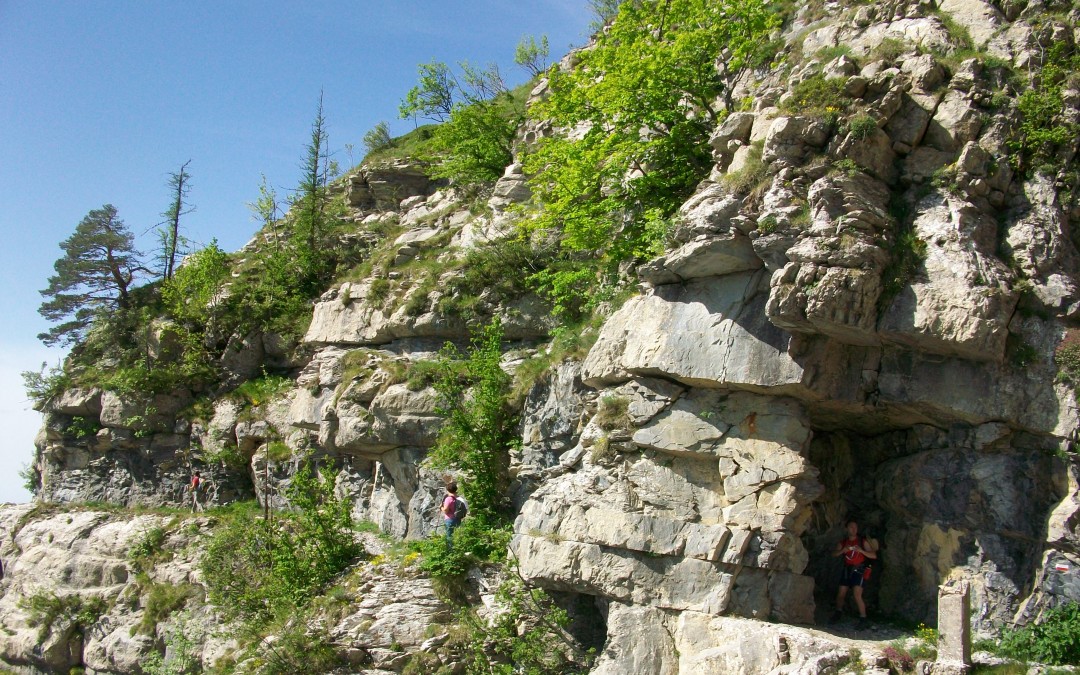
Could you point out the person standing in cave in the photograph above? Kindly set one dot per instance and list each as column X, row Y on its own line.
column 856, row 551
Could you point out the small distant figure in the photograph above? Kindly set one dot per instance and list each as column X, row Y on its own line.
column 856, row 551
column 196, row 485
column 454, row 509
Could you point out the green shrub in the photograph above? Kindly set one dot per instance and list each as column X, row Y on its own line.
column 480, row 427
column 848, row 166
column 184, row 644
column 958, row 32
column 300, row 648
column 862, row 126
column 1055, row 640
column 422, row 374
column 605, row 194
column 889, row 49
column 602, row 451
column 278, row 451
column 229, row 456
column 377, row 138
column 1044, row 130
column 830, row 53
column 263, row 389
column 31, row 478
column 612, row 412
column 48, row 612
column 478, row 539
column 378, row 292
column 478, row 139
column 752, row 177
column 162, row 600
column 256, row 570
column 1067, row 357
column 908, row 254
column 944, row 178
column 44, row 385
column 82, row 427
column 530, row 633
column 817, row 96
column 148, row 549
column 502, row 267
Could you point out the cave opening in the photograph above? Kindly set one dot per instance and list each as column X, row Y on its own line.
column 943, row 504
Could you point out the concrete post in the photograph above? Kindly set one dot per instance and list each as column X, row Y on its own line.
column 954, row 629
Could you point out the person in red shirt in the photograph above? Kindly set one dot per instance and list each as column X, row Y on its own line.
column 196, row 483
column 856, row 551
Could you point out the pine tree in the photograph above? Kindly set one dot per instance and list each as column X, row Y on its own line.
column 93, row 277
column 171, row 240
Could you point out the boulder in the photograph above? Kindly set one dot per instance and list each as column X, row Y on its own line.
column 81, row 401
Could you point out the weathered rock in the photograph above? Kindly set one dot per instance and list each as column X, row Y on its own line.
column 956, row 121
column 511, row 188
column 83, row 554
column 909, row 124
column 791, row 138
column 77, row 401
column 981, row 19
column 713, row 332
column 830, row 287
column 963, row 303
column 553, row 416
column 383, row 187
column 704, row 257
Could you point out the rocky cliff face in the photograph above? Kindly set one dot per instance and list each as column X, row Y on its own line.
column 781, row 370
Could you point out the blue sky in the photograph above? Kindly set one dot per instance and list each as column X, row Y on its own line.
column 101, row 100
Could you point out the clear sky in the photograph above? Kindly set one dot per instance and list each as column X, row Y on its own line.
column 101, row 99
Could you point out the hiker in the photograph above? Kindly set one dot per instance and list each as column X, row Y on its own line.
column 453, row 510
column 196, row 483
column 856, row 551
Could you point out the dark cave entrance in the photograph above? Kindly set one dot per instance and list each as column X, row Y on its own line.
column 942, row 504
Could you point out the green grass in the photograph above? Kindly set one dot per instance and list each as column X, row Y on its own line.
column 415, row 144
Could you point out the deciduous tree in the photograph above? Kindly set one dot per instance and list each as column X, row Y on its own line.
column 532, row 55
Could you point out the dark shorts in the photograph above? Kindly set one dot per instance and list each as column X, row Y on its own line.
column 853, row 575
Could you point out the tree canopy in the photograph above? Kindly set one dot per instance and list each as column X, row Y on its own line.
column 92, row 278
column 479, row 118
column 641, row 102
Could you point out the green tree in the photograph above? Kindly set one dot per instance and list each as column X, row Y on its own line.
column 477, row 140
column 93, row 277
column 603, row 11
column 192, row 292
column 378, row 138
column 479, row 116
column 313, row 261
column 171, row 240
column 433, row 97
column 645, row 95
column 532, row 55
column 311, row 193
column 255, row 569
column 480, row 424
column 265, row 210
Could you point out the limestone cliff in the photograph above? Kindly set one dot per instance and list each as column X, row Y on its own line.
column 873, row 329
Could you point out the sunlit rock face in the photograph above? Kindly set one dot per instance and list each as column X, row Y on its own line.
column 872, row 330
